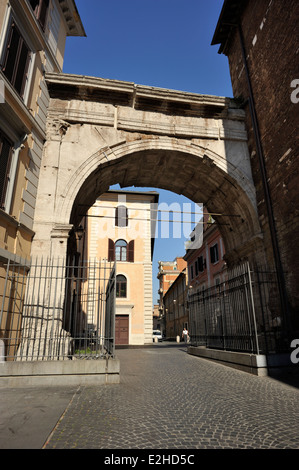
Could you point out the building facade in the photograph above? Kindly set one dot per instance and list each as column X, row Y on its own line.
column 119, row 228
column 259, row 39
column 167, row 273
column 32, row 41
column 175, row 306
column 206, row 265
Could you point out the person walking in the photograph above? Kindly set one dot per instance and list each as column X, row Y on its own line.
column 185, row 335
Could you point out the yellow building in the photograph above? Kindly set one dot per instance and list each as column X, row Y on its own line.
column 32, row 41
column 121, row 227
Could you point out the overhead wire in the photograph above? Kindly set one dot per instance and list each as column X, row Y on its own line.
column 217, row 214
column 151, row 220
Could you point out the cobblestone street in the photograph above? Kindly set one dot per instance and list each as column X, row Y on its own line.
column 168, row 399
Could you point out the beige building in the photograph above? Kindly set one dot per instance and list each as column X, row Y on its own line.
column 32, row 41
column 120, row 227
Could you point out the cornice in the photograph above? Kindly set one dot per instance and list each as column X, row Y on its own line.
column 140, row 97
column 71, row 18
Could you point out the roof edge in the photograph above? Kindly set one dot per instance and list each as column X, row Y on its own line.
column 72, row 18
column 229, row 18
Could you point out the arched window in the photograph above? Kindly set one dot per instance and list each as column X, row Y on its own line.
column 121, row 250
column 121, row 286
column 121, row 216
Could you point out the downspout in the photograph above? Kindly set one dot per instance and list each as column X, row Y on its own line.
column 276, row 252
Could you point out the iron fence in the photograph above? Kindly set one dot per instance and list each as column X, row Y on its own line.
column 53, row 309
column 241, row 314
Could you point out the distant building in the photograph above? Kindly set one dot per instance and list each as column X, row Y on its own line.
column 119, row 227
column 175, row 306
column 206, row 265
column 167, row 274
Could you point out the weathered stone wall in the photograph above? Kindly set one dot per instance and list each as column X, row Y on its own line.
column 102, row 132
column 270, row 30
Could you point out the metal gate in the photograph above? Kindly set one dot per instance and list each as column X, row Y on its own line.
column 241, row 314
column 52, row 309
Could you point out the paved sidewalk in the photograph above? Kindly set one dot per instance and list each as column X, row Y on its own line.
column 28, row 415
column 167, row 399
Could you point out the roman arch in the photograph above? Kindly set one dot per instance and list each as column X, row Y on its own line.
column 102, row 132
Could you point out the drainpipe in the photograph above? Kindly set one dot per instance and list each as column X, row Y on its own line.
column 276, row 252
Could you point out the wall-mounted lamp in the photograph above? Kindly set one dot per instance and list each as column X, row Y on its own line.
column 79, row 232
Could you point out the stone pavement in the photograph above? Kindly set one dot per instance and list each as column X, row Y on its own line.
column 168, row 399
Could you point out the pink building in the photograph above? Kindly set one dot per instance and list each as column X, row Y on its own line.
column 206, row 266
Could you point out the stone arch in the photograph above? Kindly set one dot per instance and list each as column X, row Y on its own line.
column 177, row 165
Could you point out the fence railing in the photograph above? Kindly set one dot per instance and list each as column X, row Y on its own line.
column 53, row 310
column 241, row 314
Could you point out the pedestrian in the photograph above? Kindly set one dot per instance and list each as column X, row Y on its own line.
column 185, row 335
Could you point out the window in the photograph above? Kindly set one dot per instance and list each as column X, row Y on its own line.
column 40, row 9
column 121, row 286
column 214, row 253
column 196, row 268
column 5, row 164
column 121, row 216
column 200, row 263
column 16, row 60
column 121, row 251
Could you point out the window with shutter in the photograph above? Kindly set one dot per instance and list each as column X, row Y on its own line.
column 5, row 163
column 16, row 60
column 111, row 250
column 131, row 251
column 121, row 250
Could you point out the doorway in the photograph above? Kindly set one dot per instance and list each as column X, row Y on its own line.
column 121, row 329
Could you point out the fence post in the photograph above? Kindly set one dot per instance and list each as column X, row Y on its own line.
column 253, row 308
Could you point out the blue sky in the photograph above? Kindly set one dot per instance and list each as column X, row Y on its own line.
column 160, row 43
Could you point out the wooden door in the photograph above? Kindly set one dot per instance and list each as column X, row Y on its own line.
column 121, row 329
